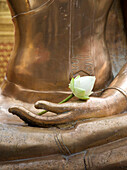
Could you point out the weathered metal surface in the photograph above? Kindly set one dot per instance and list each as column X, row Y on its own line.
column 112, row 156
column 55, row 40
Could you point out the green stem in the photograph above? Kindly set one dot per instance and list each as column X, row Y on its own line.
column 63, row 101
column 68, row 98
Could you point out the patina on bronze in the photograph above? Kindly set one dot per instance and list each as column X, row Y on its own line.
column 55, row 40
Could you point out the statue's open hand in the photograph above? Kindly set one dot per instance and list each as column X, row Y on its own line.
column 67, row 112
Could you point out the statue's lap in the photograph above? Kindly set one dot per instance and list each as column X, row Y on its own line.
column 20, row 141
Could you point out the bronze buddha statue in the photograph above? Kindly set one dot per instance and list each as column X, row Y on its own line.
column 56, row 40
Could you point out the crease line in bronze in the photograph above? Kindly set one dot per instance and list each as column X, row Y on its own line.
column 70, row 39
column 85, row 165
column 62, row 147
column 59, row 145
column 22, row 160
column 83, row 72
column 65, row 146
column 63, row 92
column 67, row 157
column 36, row 91
column 46, row 4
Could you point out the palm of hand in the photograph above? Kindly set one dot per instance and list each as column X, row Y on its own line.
column 65, row 113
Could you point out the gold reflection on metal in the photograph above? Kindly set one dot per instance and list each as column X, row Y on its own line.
column 28, row 4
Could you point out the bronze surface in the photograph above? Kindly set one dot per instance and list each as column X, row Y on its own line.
column 55, row 40
column 53, row 43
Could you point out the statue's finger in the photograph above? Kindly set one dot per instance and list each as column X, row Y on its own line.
column 35, row 120
column 24, row 114
column 53, row 107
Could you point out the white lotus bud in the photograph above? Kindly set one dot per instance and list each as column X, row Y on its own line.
column 82, row 86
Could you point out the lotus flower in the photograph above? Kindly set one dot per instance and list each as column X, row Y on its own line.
column 82, row 87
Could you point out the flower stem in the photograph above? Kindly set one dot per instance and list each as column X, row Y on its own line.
column 63, row 101
column 68, row 98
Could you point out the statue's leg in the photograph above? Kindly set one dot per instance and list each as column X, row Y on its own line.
column 110, row 156
column 22, row 142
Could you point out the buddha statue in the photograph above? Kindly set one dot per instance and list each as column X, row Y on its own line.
column 56, row 40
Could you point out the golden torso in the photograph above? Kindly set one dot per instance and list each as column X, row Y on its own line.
column 56, row 40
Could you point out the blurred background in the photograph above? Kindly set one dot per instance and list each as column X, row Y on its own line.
column 6, row 37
